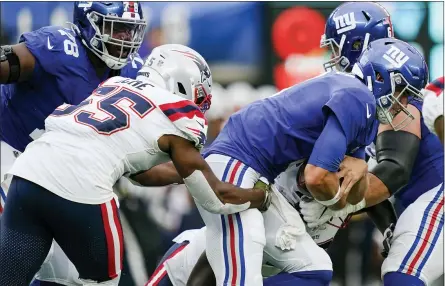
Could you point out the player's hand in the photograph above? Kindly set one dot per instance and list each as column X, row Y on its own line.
column 387, row 238
column 260, row 197
column 314, row 213
column 263, row 185
column 351, row 170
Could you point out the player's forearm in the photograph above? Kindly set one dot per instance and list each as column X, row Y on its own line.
column 358, row 191
column 377, row 191
column 438, row 127
column 4, row 72
column 231, row 194
column 323, row 185
column 160, row 175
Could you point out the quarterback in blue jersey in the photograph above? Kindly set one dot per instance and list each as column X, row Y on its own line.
column 407, row 163
column 55, row 65
column 320, row 120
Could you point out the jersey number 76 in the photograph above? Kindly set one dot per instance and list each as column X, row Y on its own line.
column 117, row 118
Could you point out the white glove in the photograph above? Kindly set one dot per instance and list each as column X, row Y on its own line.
column 316, row 214
column 432, row 109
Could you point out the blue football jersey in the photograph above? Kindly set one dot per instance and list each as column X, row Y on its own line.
column 269, row 134
column 63, row 73
column 428, row 168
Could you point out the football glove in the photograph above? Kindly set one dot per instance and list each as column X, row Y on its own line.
column 387, row 238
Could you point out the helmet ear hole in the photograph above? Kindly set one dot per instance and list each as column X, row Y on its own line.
column 379, row 77
column 181, row 88
column 357, row 45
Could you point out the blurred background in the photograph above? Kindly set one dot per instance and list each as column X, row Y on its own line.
column 254, row 49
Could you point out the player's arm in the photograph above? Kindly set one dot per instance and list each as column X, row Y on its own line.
column 212, row 194
column 438, row 127
column 321, row 171
column 396, row 152
column 160, row 175
column 16, row 63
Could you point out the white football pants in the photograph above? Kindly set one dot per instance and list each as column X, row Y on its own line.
column 417, row 245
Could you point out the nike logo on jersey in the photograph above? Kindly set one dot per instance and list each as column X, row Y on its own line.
column 200, row 124
column 368, row 114
column 49, row 45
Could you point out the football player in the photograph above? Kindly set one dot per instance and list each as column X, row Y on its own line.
column 126, row 126
column 348, row 31
column 432, row 109
column 54, row 65
column 409, row 167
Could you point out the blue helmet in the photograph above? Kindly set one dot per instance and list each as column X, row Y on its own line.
column 111, row 30
column 396, row 73
column 350, row 28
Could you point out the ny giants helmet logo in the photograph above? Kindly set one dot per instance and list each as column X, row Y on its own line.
column 396, row 57
column 344, row 23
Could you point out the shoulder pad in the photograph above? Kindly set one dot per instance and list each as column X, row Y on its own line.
column 355, row 109
column 53, row 47
column 188, row 118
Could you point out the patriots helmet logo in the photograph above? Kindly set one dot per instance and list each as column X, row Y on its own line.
column 203, row 67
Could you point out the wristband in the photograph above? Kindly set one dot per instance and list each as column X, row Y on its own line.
column 332, row 201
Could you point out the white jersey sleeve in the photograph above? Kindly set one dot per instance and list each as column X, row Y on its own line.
column 187, row 118
column 432, row 108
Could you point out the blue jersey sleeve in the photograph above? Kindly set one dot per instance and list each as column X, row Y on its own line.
column 355, row 112
column 132, row 68
column 330, row 147
column 359, row 154
column 53, row 47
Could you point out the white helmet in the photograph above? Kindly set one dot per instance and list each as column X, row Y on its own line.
column 182, row 71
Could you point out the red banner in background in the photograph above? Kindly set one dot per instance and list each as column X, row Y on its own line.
column 295, row 29
column 296, row 37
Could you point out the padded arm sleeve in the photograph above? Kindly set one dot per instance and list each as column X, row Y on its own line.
column 396, row 152
column 382, row 215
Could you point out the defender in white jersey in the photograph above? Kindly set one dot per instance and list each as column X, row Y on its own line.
column 62, row 184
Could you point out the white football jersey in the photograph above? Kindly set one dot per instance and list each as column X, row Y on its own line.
column 286, row 183
column 114, row 132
